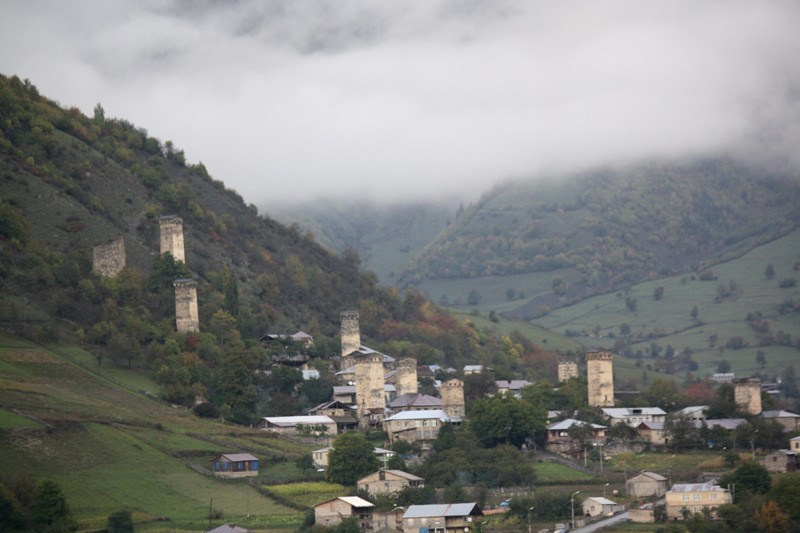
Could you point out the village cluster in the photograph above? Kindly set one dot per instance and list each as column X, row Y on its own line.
column 377, row 392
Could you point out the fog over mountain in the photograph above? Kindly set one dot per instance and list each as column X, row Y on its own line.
column 397, row 99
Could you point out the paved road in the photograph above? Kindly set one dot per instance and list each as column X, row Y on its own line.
column 622, row 517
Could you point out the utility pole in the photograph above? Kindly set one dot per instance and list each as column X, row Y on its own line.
column 572, row 505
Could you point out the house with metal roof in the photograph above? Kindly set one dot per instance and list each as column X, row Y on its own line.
column 388, row 482
column 600, row 506
column 692, row 498
column 233, row 465
column 633, row 416
column 441, row 518
column 415, row 402
column 693, row 412
column 415, row 426
column 320, row 456
column 314, row 424
column 646, row 485
column 789, row 420
column 513, row 386
column 331, row 512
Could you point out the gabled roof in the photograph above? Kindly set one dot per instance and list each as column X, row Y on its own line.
column 353, row 501
column 651, row 475
column 696, row 487
column 420, row 415
column 514, row 384
column 692, row 409
column 229, row 528
column 622, row 412
column 779, row 413
column 443, row 509
column 290, row 421
column 235, row 457
column 366, row 350
column 569, row 422
column 657, row 426
column 415, row 400
column 725, row 423
column 601, row 500
column 398, row 473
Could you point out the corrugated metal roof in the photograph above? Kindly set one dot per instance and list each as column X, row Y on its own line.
column 355, row 501
column 294, row 420
column 696, row 487
column 443, row 509
column 601, row 500
column 620, row 412
column 234, row 457
column 420, row 415
column 569, row 422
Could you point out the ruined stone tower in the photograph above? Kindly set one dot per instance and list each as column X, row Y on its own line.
column 567, row 368
column 109, row 259
column 370, row 396
column 186, row 314
column 172, row 236
column 747, row 394
column 406, row 375
column 600, row 377
column 453, row 399
column 350, row 336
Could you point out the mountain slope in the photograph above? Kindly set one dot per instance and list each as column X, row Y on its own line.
column 602, row 230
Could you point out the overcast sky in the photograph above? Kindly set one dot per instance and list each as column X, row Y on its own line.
column 406, row 99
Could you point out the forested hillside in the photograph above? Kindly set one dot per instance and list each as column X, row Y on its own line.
column 598, row 231
column 70, row 182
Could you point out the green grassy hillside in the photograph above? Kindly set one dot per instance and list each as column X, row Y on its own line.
column 112, row 447
column 598, row 321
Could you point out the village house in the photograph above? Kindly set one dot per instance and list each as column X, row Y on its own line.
column 415, row 402
column 472, row 369
column 653, row 432
column 782, row 461
column 320, row 456
column 789, row 420
column 693, row 412
column 633, row 416
column 292, row 425
column 339, row 412
column 415, row 426
column 794, row 444
column 441, row 518
column 725, row 423
column 694, row 497
column 331, row 512
column 599, row 506
column 559, row 436
column 233, row 465
column 347, row 393
column 513, row 386
column 228, row 528
column 388, row 482
column 646, row 485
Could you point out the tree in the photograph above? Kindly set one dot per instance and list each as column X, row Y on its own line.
column 786, row 492
column 769, row 272
column 503, row 418
column 474, row 297
column 50, row 511
column 695, row 312
column 305, row 462
column 680, row 430
column 761, row 358
column 771, row 518
column 750, row 478
column 723, row 367
column 120, row 522
column 351, row 458
column 658, row 293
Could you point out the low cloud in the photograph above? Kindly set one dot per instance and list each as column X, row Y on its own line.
column 402, row 99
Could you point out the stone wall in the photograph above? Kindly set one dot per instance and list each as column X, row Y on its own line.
column 567, row 369
column 600, row 378
column 187, row 317
column 109, row 259
column 747, row 394
column 171, row 227
column 406, row 374
column 452, row 392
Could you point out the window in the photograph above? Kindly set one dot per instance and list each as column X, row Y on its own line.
column 686, row 497
column 696, row 497
column 714, row 495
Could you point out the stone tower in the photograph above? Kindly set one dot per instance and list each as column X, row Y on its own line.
column 567, row 368
column 370, row 396
column 109, row 259
column 453, row 399
column 600, row 377
column 186, row 314
column 747, row 394
column 350, row 336
column 172, row 236
column 406, row 375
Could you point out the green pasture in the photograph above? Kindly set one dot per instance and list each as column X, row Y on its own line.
column 548, row 340
column 310, row 493
column 548, row 472
column 9, row 420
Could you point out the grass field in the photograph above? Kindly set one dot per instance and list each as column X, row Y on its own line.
column 548, row 472
column 110, row 448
